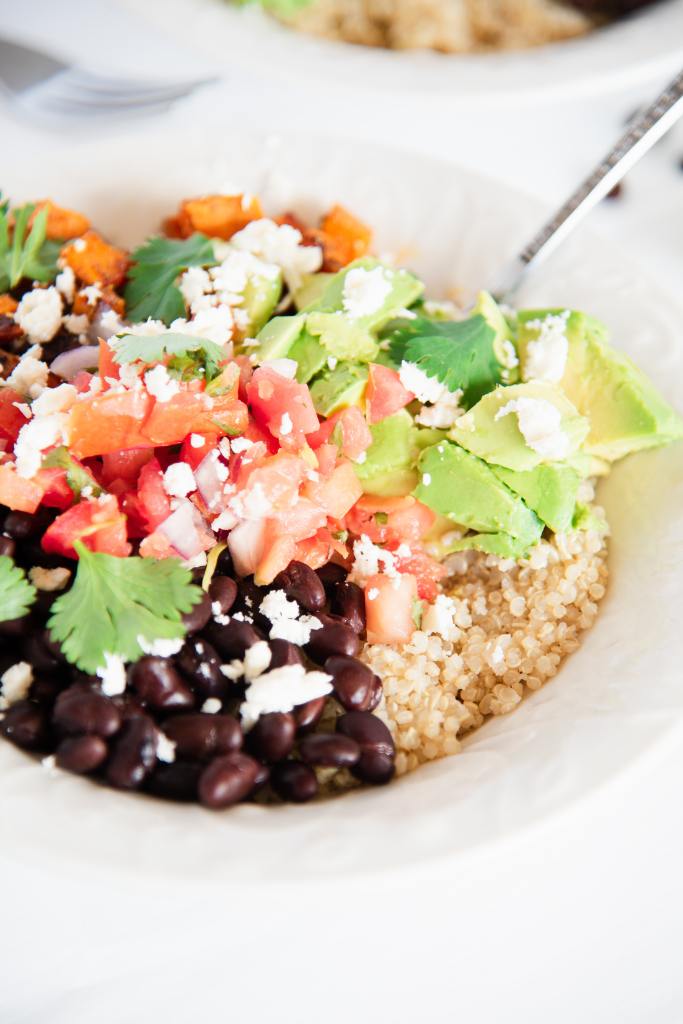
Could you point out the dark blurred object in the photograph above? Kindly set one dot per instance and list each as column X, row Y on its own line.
column 609, row 8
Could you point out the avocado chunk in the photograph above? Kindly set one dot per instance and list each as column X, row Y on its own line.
column 463, row 488
column 310, row 290
column 339, row 388
column 521, row 426
column 389, row 466
column 342, row 337
column 550, row 490
column 277, row 337
column 504, row 342
column 402, row 290
column 625, row 410
column 309, row 355
column 261, row 296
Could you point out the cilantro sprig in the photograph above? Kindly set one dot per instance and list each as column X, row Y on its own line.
column 151, row 290
column 113, row 601
column 25, row 253
column 459, row 353
column 16, row 593
column 188, row 355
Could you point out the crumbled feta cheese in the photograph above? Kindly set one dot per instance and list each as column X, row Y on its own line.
column 373, row 594
column 24, row 408
column 211, row 706
column 285, row 621
column 112, row 674
column 65, row 283
column 282, row 689
column 443, row 413
column 15, row 683
column 286, row 424
column 165, row 748
column 197, row 441
column 546, row 356
column 109, row 323
column 415, row 380
column 215, row 324
column 51, row 400
column 439, row 618
column 365, row 291
column 34, row 437
column 92, row 293
column 509, row 355
column 540, row 424
column 257, row 658
column 49, row 580
column 39, row 314
column 284, row 367
column 179, row 480
column 76, row 324
column 160, row 385
column 403, row 551
column 29, row 376
column 280, row 244
column 369, row 559
column 162, row 647
column 145, row 329
column 276, row 606
column 240, row 445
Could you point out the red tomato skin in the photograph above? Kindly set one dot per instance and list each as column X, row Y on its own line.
column 426, row 571
column 194, row 455
column 107, row 367
column 154, row 501
column 402, row 520
column 11, row 418
column 100, row 525
column 56, row 490
column 125, row 465
column 110, row 422
column 355, row 436
column 384, row 394
column 273, row 397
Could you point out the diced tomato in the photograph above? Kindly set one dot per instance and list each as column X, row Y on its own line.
column 302, row 520
column 327, row 455
column 154, row 501
column 156, row 546
column 56, row 490
column 389, row 608
column 107, row 367
column 194, row 454
column 426, row 571
column 17, row 493
column 390, row 520
column 338, row 493
column 277, row 477
column 125, row 465
column 348, row 429
column 277, row 556
column 193, row 412
column 82, row 381
column 283, row 407
column 11, row 418
column 384, row 394
column 99, row 524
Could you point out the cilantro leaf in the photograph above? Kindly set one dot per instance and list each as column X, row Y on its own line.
column 151, row 290
column 113, row 601
column 190, row 356
column 16, row 593
column 458, row 353
column 27, row 254
column 77, row 477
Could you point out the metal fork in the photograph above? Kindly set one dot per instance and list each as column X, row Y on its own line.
column 49, row 86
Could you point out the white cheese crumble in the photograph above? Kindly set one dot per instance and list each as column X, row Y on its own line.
column 49, row 580
column 285, row 621
column 39, row 314
column 257, row 659
column 280, row 244
column 370, row 559
column 162, row 647
column 15, row 683
column 76, row 324
column 509, row 355
column 439, row 618
column 282, row 689
column 34, row 437
column 160, row 385
column 443, row 413
column 65, row 283
column 373, row 594
column 51, row 400
column 29, row 376
column 365, row 291
column 165, row 748
column 546, row 356
column 239, row 445
column 196, row 441
column 424, row 387
column 286, row 424
column 211, row 706
column 179, row 480
column 112, row 674
column 540, row 424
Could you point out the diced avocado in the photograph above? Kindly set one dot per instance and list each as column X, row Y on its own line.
column 390, row 459
column 426, row 436
column 585, row 519
column 310, row 290
column 339, row 388
column 310, row 356
column 341, row 337
column 588, row 465
column 625, row 410
column 405, row 289
column 498, row 438
column 279, row 334
column 549, row 490
column 261, row 296
column 462, row 487
column 504, row 342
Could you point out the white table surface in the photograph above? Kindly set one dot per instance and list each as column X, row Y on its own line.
column 579, row 919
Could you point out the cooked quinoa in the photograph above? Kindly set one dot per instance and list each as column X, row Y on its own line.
column 514, row 624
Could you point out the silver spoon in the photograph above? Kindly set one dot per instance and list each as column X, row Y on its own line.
column 649, row 126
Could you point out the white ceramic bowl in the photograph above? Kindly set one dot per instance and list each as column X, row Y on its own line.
column 646, row 45
column 612, row 701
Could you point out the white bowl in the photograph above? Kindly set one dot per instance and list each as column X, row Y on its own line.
column 647, row 45
column 619, row 695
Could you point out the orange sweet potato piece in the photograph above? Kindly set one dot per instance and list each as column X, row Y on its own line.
column 95, row 261
column 7, row 305
column 215, row 216
column 61, row 223
column 83, row 305
column 343, row 237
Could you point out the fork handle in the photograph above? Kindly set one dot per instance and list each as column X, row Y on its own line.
column 650, row 125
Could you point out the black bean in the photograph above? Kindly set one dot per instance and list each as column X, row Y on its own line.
column 198, row 615
column 22, row 525
column 249, row 595
column 282, row 652
column 301, row 584
column 176, row 781
column 367, row 730
column 159, row 685
column 41, row 652
column 203, row 737
column 227, row 780
column 375, row 768
column 198, row 660
column 234, row 638
column 294, row 781
column 25, row 724
column 272, row 738
column 81, row 754
column 46, row 688
column 7, row 546
column 134, row 754
column 308, row 715
column 335, row 637
column 224, row 566
column 331, row 575
column 348, row 602
column 330, row 750
column 16, row 627
column 262, row 776
column 376, row 695
column 353, row 682
column 79, row 710
column 223, row 592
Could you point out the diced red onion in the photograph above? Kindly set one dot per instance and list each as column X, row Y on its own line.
column 246, row 544
column 209, row 482
column 68, row 364
column 186, row 530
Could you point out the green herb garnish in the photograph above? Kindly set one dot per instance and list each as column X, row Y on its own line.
column 188, row 354
column 151, row 290
column 77, row 477
column 458, row 353
column 26, row 254
column 16, row 593
column 113, row 601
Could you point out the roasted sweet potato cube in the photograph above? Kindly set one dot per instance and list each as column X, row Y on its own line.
column 7, row 304
column 344, row 238
column 61, row 223
column 216, row 216
column 95, row 261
